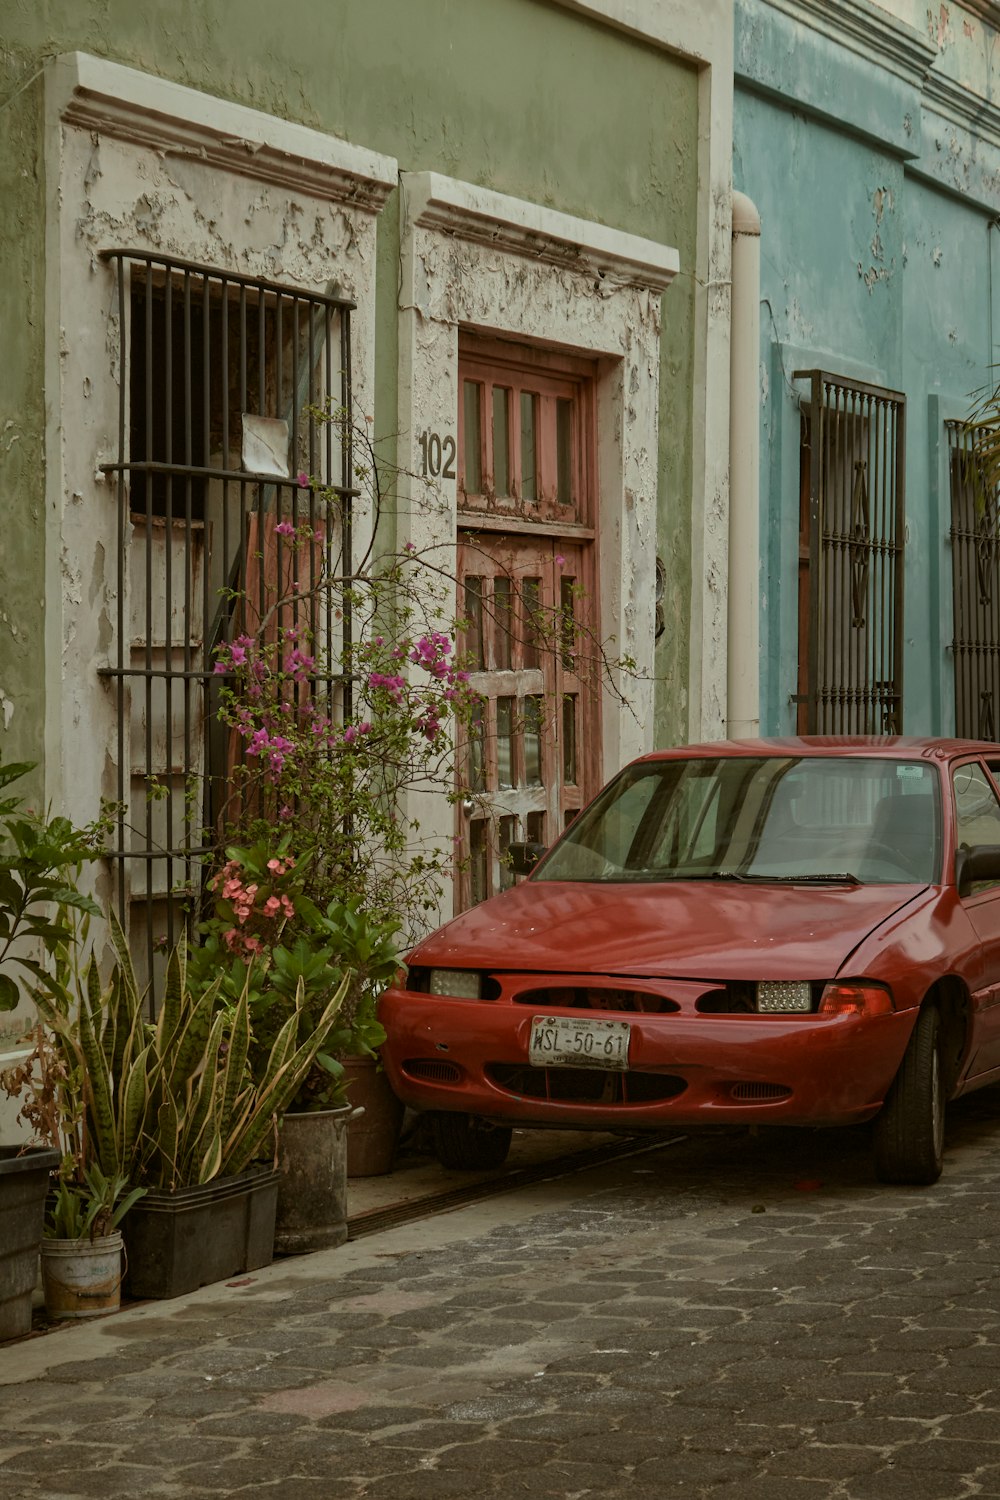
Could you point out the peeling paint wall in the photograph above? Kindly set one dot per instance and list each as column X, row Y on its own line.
column 531, row 97
column 116, row 192
column 457, row 283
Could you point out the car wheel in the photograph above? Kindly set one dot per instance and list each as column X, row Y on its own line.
column 909, row 1130
column 466, row 1143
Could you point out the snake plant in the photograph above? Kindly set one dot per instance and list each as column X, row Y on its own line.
column 172, row 1103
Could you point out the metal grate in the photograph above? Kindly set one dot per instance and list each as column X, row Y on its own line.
column 851, row 558
column 433, row 1070
column 759, row 1093
column 584, row 1085
column 223, row 381
column 975, row 551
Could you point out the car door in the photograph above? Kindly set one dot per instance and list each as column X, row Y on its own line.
column 977, row 822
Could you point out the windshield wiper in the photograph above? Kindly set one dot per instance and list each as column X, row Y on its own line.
column 833, row 878
column 655, row 877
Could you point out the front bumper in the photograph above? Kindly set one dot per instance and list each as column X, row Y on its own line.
column 684, row 1069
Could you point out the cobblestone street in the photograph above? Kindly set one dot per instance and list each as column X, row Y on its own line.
column 727, row 1315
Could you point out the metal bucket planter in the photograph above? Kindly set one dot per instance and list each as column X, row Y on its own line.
column 82, row 1278
column 312, row 1193
column 24, row 1182
column 177, row 1241
column 373, row 1137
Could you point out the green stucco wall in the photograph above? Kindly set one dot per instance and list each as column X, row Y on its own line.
column 520, row 95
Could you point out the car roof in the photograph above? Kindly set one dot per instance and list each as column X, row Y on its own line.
column 891, row 747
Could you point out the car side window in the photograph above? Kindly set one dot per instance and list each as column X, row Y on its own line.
column 977, row 811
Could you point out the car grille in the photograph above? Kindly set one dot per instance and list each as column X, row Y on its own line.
column 585, row 1085
column 595, row 997
column 751, row 1093
column 432, row 1070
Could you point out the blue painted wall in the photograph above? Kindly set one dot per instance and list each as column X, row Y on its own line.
column 874, row 265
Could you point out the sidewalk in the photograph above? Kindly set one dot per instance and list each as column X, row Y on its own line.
column 419, row 1185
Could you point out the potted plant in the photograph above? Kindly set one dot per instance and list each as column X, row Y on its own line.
column 40, row 861
column 81, row 1246
column 328, row 740
column 267, row 938
column 200, row 1126
column 172, row 1109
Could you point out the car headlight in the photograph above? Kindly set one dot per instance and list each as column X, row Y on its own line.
column 784, row 995
column 462, row 984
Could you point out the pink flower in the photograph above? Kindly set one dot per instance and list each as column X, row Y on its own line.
column 302, row 479
column 285, row 528
column 560, row 560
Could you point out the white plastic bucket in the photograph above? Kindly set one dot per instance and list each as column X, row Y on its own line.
column 82, row 1278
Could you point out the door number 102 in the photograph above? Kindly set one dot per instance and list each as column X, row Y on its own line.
column 437, row 455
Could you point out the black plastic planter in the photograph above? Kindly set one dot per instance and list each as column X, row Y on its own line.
column 24, row 1182
column 176, row 1242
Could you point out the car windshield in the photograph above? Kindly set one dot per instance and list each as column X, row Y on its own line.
column 767, row 818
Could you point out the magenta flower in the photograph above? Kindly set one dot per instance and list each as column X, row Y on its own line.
column 285, row 528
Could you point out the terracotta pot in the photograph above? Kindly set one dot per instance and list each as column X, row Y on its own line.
column 372, row 1138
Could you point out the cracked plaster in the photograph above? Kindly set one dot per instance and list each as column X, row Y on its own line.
column 451, row 281
column 111, row 189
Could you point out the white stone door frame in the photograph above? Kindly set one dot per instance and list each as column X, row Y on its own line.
column 477, row 260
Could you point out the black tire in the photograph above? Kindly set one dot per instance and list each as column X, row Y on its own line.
column 466, row 1143
column 909, row 1130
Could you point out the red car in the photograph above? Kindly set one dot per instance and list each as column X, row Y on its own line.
column 791, row 932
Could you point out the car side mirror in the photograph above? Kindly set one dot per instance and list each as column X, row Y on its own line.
column 972, row 865
column 524, row 857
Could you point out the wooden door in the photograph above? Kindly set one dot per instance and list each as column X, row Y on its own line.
column 527, row 580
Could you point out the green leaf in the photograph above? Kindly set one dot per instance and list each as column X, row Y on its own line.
column 133, row 1097
column 9, row 993
column 97, row 1087
column 14, row 770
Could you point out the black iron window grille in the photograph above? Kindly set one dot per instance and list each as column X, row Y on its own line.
column 233, row 432
column 851, row 558
column 975, row 553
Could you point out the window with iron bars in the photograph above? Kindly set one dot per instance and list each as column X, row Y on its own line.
column 975, row 551
column 234, row 392
column 851, row 520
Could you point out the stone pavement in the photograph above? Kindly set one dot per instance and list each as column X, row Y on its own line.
column 731, row 1316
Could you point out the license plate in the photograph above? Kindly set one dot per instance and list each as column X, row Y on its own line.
column 569, row 1042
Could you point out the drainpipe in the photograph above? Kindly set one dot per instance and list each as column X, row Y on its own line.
column 743, row 680
column 994, row 359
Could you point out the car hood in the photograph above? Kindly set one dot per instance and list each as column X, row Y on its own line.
column 691, row 929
